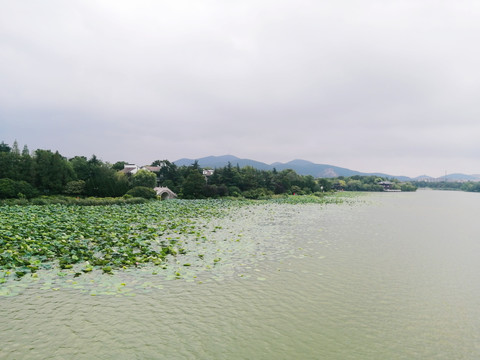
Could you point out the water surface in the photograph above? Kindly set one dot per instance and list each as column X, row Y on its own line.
column 394, row 276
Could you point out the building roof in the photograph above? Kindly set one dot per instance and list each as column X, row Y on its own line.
column 152, row 168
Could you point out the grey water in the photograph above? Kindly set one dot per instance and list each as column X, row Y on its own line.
column 391, row 276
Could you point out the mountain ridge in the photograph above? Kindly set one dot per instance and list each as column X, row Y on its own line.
column 305, row 167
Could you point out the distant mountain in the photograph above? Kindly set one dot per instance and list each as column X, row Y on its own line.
column 221, row 161
column 304, row 167
column 460, row 177
column 301, row 167
column 424, row 178
column 449, row 177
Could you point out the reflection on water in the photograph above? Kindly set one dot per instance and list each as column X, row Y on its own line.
column 393, row 277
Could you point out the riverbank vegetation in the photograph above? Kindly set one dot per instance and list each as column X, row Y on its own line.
column 75, row 240
column 469, row 186
column 81, row 239
column 32, row 177
column 370, row 183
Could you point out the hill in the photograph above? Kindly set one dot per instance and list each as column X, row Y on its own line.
column 302, row 167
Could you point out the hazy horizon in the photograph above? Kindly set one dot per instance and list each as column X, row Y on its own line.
column 240, row 158
column 373, row 86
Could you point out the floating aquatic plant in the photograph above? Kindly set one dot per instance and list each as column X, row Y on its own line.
column 33, row 238
column 75, row 242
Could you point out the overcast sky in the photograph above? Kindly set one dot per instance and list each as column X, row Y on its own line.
column 371, row 85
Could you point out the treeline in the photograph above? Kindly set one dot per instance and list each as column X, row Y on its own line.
column 25, row 175
column 43, row 172
column 370, row 183
column 247, row 182
column 470, row 186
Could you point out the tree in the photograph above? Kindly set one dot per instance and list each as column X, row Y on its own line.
column 309, row 184
column 8, row 165
column 15, row 189
column 195, row 165
column 339, row 184
column 193, row 186
column 75, row 188
column 210, row 191
column 285, row 179
column 324, row 184
column 144, row 178
column 7, row 189
column 102, row 181
column 25, row 151
column 4, row 147
column 119, row 165
column 27, row 166
column 15, row 148
column 122, row 184
column 23, row 188
column 52, row 171
column 159, row 163
column 354, row 185
column 169, row 175
column 250, row 178
column 81, row 167
column 408, row 187
column 143, row 192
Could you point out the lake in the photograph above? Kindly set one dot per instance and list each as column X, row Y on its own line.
column 387, row 276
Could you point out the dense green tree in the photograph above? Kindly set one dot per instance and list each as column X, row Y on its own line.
column 7, row 189
column 16, row 189
column 4, row 147
column 445, row 185
column 214, row 179
column 210, row 191
column 8, row 168
column 100, row 178
column 25, row 151
column 193, row 186
column 158, row 163
column 407, row 187
column 354, row 185
column 25, row 189
column 52, row 171
column 119, row 165
column 229, row 176
column 26, row 169
column 286, row 179
column 249, row 178
column 81, row 167
column 75, row 188
column 339, row 183
column 52, row 174
column 368, row 183
column 122, row 183
column 309, row 185
column 144, row 178
column 257, row 193
column 195, row 165
column 143, row 192
column 324, row 185
column 169, row 175
column 104, row 181
column 16, row 166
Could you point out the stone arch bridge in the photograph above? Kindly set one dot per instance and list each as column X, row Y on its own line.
column 165, row 193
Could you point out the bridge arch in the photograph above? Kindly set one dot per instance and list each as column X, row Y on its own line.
column 165, row 193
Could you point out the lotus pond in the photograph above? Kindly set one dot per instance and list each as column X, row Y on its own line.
column 385, row 276
column 80, row 247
